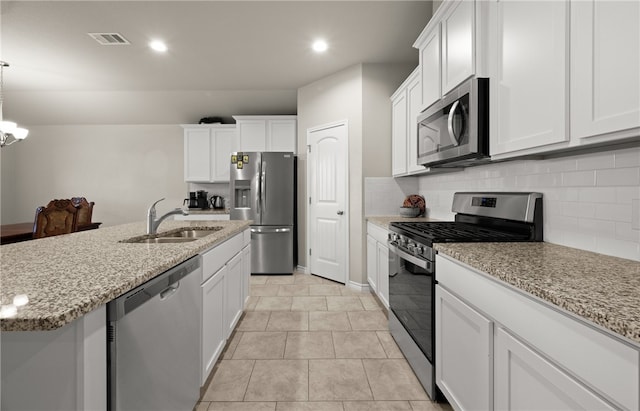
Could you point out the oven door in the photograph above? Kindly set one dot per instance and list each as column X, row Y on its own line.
column 411, row 296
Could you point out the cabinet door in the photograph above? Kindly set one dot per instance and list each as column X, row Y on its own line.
column 281, row 135
column 605, row 67
column 464, row 353
column 430, row 74
column 526, row 381
column 372, row 263
column 399, row 134
column 414, row 103
column 197, row 163
column 458, row 42
column 246, row 274
column 252, row 135
column 234, row 291
column 223, row 144
column 213, row 327
column 529, row 89
column 383, row 273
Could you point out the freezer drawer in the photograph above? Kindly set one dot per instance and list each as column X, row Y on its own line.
column 272, row 250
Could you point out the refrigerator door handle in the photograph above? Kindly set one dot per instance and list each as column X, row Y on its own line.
column 263, row 230
column 264, row 186
column 259, row 196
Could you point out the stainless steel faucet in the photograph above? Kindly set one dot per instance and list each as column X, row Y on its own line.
column 152, row 223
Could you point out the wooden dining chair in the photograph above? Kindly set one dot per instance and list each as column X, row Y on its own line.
column 58, row 217
column 85, row 210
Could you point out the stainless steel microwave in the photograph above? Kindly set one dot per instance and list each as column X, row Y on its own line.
column 454, row 131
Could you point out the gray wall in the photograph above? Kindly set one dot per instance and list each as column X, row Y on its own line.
column 122, row 168
column 359, row 94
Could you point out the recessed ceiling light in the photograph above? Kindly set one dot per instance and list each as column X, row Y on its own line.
column 158, row 46
column 320, row 46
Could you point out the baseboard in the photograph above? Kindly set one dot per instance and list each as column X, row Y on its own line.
column 302, row 269
column 359, row 287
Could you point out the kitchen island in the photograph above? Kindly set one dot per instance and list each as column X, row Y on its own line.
column 54, row 346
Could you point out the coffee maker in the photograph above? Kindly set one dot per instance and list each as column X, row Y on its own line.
column 197, row 199
column 192, row 200
column 202, row 198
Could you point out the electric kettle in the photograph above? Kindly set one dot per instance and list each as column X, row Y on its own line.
column 217, row 202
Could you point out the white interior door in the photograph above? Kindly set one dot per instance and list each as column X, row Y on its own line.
column 328, row 222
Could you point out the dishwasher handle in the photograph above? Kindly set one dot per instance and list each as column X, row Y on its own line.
column 164, row 285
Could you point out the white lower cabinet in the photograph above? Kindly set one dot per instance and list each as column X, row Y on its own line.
column 213, row 325
column 234, row 290
column 372, row 263
column 464, row 353
column 526, row 380
column 498, row 348
column 224, row 290
column 378, row 262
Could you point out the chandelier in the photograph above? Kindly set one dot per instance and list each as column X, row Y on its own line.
column 9, row 131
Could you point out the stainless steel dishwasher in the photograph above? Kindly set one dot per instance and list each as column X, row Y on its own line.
column 153, row 342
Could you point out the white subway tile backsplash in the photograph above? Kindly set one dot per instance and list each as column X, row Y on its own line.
column 580, row 210
column 627, row 158
column 592, row 201
column 629, row 176
column 579, row 178
column 596, row 161
column 596, row 194
column 613, row 212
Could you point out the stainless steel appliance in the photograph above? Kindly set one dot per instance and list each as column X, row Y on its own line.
column 263, row 190
column 481, row 217
column 192, row 201
column 454, row 131
column 217, row 202
column 153, row 343
column 203, row 201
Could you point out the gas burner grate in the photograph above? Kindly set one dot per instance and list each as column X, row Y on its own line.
column 441, row 232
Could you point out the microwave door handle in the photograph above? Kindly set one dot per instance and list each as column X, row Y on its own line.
column 452, row 113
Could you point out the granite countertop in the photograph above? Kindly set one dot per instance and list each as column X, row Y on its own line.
column 384, row 221
column 67, row 276
column 600, row 288
column 208, row 211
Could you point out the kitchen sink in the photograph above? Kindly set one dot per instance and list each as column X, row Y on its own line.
column 163, row 240
column 191, row 233
column 182, row 235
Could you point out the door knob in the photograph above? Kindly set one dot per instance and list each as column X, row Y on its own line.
column 340, row 212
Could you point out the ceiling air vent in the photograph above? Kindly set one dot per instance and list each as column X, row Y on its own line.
column 110, row 39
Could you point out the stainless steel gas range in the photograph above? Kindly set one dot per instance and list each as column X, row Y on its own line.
column 480, row 217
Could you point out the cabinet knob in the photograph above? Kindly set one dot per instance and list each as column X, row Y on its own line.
column 340, row 212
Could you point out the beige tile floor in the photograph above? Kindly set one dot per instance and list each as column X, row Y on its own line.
column 309, row 344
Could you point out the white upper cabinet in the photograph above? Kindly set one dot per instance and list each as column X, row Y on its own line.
column 207, row 148
column 197, row 146
column 267, row 133
column 458, row 44
column 399, row 118
column 605, row 68
column 430, row 73
column 529, row 91
column 406, row 104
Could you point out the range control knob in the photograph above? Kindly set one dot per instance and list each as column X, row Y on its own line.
column 411, row 246
column 419, row 250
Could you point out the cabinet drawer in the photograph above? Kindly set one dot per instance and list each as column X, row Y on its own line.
column 246, row 237
column 218, row 256
column 593, row 356
column 377, row 232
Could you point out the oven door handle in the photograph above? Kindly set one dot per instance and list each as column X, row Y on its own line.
column 424, row 264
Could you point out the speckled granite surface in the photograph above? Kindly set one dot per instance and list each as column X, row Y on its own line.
column 67, row 276
column 208, row 211
column 600, row 288
column 384, row 221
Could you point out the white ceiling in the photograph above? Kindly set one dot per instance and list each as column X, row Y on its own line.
column 234, row 57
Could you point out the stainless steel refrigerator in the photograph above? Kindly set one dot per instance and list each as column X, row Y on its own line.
column 262, row 188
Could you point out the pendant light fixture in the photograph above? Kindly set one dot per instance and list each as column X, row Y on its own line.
column 9, row 131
